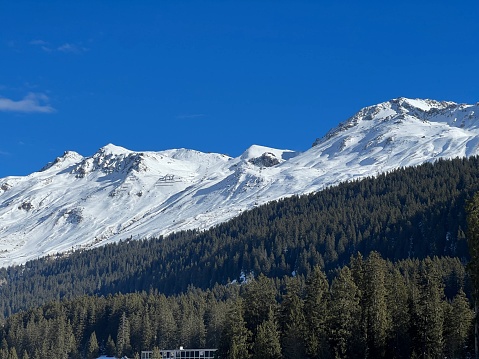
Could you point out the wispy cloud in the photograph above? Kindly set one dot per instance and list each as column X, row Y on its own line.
column 31, row 103
column 66, row 47
column 44, row 45
column 72, row 48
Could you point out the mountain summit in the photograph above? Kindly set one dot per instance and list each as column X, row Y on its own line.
column 116, row 194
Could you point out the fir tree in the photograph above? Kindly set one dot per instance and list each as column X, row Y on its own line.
column 375, row 306
column 473, row 265
column 293, row 320
column 123, row 336
column 92, row 348
column 316, row 312
column 267, row 343
column 458, row 324
column 259, row 298
column 110, row 347
column 344, row 312
column 235, row 341
column 156, row 353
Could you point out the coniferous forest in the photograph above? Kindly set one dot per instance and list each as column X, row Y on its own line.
column 371, row 268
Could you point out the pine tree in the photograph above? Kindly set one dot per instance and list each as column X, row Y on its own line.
column 110, row 347
column 399, row 341
column 360, row 337
column 316, row 313
column 344, row 312
column 13, row 353
column 235, row 341
column 375, row 305
column 156, row 353
column 267, row 343
column 458, row 324
column 167, row 326
column 259, row 297
column 215, row 319
column 92, row 347
column 123, row 336
column 293, row 322
column 472, row 210
column 147, row 332
column 429, row 316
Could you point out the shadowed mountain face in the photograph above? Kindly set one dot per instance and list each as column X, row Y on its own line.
column 76, row 202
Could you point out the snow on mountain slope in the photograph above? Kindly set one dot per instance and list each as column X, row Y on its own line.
column 76, row 202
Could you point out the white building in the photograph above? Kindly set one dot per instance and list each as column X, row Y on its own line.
column 182, row 353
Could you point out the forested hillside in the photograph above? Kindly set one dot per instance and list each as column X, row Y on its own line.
column 371, row 308
column 409, row 213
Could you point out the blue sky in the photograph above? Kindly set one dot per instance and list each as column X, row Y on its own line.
column 217, row 76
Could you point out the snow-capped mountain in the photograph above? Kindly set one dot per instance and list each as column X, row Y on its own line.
column 76, row 202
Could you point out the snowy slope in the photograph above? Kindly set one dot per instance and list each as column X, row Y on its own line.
column 76, row 202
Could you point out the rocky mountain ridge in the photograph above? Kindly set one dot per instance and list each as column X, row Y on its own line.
column 116, row 194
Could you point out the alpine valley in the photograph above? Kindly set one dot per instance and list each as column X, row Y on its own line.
column 79, row 202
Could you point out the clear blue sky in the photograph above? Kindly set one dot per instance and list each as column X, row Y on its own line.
column 217, row 76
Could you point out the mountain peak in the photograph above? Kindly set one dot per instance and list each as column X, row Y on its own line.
column 114, row 150
column 424, row 105
column 156, row 193
column 110, row 159
column 67, row 159
column 256, row 152
column 396, row 111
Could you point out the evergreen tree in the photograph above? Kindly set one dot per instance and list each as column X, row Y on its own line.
column 344, row 312
column 110, row 347
column 167, row 325
column 375, row 308
column 267, row 343
column 430, row 314
column 235, row 341
column 316, row 312
column 259, row 298
column 399, row 340
column 293, row 321
column 473, row 265
column 13, row 353
column 458, row 324
column 92, row 348
column 215, row 321
column 360, row 337
column 156, row 353
column 123, row 336
column 147, row 331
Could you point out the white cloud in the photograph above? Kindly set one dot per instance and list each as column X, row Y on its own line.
column 66, row 47
column 71, row 48
column 32, row 103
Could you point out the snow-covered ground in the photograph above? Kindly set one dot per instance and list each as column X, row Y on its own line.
column 77, row 202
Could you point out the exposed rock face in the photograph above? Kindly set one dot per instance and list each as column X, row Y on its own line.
column 267, row 159
column 26, row 206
